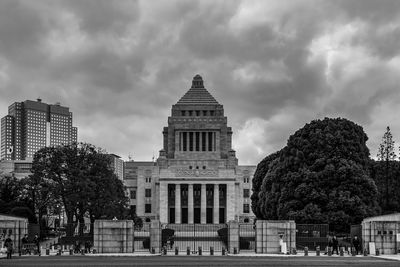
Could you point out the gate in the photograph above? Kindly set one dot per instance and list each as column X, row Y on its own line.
column 247, row 237
column 141, row 238
column 311, row 235
column 194, row 236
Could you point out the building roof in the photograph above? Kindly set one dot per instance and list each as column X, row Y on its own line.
column 197, row 94
column 394, row 217
column 7, row 217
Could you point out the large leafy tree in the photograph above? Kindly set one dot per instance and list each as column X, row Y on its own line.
column 12, row 198
column 261, row 171
column 378, row 173
column 82, row 179
column 321, row 176
column 387, row 155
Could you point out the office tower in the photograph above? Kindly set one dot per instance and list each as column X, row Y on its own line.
column 32, row 125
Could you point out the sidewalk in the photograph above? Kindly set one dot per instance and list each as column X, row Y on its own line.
column 395, row 257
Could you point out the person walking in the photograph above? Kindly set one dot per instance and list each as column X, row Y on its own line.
column 335, row 245
column 24, row 242
column 9, row 245
column 37, row 243
column 356, row 244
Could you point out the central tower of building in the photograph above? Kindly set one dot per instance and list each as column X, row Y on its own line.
column 198, row 167
column 196, row 178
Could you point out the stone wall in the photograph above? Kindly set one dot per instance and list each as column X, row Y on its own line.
column 113, row 236
column 383, row 236
column 270, row 233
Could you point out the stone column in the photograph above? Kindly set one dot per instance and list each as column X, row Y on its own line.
column 194, row 141
column 206, row 141
column 230, row 202
column 163, row 202
column 180, row 141
column 190, row 203
column 203, row 206
column 216, row 203
column 214, row 139
column 233, row 236
column 155, row 236
column 177, row 203
column 201, row 141
column 187, row 141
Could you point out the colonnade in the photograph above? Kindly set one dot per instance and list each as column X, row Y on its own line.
column 197, row 141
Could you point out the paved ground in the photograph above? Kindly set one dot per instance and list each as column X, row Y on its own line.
column 196, row 261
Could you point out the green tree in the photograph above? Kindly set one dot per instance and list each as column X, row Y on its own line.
column 378, row 174
column 81, row 177
column 386, row 154
column 261, row 171
column 321, row 176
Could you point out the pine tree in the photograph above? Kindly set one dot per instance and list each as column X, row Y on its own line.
column 387, row 154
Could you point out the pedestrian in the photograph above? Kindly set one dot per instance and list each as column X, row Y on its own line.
column 330, row 244
column 172, row 242
column 356, row 244
column 335, row 244
column 9, row 246
column 24, row 242
column 37, row 243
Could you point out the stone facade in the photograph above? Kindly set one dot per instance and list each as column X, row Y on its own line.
column 270, row 235
column 113, row 236
column 381, row 234
column 196, row 178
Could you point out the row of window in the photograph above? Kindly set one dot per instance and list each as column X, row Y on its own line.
column 147, row 193
column 197, row 113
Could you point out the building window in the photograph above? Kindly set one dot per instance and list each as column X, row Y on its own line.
column 147, row 192
column 246, row 180
column 246, row 220
column 246, row 208
column 211, row 112
column 204, row 112
column 183, row 112
column 197, row 113
column 147, row 208
column 148, row 179
column 246, row 193
column 147, row 220
column 133, row 194
column 190, row 113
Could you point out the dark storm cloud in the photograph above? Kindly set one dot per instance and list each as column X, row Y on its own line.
column 274, row 65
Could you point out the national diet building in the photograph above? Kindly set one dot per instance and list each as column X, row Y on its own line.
column 196, row 178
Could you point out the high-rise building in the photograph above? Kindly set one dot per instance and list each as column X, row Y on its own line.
column 32, row 125
column 117, row 164
column 197, row 178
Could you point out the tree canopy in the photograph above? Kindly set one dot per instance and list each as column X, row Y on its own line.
column 320, row 176
column 80, row 176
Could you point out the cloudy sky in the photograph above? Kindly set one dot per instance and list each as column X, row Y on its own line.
column 274, row 65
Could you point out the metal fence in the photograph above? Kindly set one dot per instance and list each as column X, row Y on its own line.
column 247, row 237
column 311, row 236
column 142, row 238
column 193, row 236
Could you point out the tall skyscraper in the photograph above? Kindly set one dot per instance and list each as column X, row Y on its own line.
column 32, row 125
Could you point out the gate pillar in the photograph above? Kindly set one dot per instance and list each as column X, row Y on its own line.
column 155, row 236
column 233, row 236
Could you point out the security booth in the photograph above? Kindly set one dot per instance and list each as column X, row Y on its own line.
column 15, row 227
column 381, row 234
column 274, row 236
